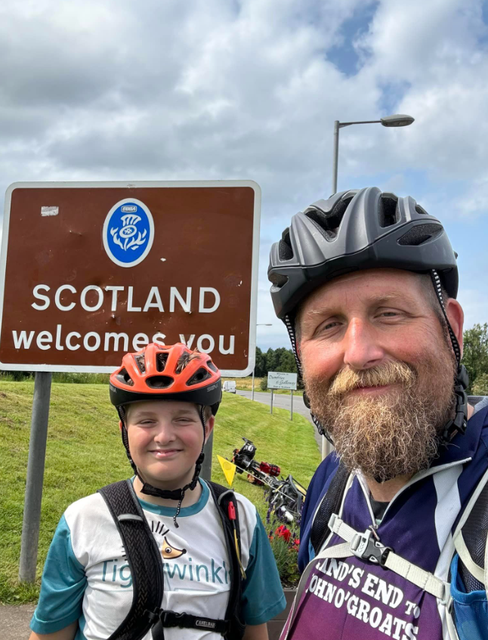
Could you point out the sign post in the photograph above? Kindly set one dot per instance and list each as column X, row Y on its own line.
column 282, row 380
column 90, row 271
column 35, row 477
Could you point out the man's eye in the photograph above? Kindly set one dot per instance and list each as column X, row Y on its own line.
column 327, row 326
column 331, row 325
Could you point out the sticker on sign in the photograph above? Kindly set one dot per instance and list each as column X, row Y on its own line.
column 280, row 380
column 126, row 264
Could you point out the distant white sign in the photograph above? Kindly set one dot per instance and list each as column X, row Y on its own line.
column 279, row 380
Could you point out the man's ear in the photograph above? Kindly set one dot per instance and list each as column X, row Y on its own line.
column 209, row 426
column 121, row 425
column 455, row 315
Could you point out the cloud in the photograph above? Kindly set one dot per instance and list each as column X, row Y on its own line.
column 216, row 89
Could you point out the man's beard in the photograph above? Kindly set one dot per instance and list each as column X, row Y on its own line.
column 393, row 434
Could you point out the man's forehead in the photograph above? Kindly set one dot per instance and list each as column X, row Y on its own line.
column 379, row 283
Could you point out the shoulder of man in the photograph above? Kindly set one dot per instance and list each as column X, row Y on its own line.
column 318, row 487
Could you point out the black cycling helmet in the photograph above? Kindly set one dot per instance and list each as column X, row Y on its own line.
column 353, row 230
column 364, row 229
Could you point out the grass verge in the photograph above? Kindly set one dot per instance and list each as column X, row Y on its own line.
column 84, row 452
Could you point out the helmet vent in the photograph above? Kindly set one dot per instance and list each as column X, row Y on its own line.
column 329, row 221
column 420, row 234
column 285, row 249
column 420, row 209
column 388, row 210
column 211, row 365
column 123, row 377
column 277, row 279
column 323, row 222
column 161, row 359
column 201, row 375
column 159, row 382
column 141, row 363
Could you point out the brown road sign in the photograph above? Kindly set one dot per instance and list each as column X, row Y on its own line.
column 92, row 270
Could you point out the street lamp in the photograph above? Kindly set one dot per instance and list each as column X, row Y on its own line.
column 265, row 324
column 397, row 120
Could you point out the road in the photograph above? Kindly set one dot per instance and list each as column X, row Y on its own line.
column 283, row 401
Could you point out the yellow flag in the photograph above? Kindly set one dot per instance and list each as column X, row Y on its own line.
column 228, row 468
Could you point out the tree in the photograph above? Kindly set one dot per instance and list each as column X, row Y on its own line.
column 287, row 362
column 475, row 353
column 260, row 368
column 480, row 387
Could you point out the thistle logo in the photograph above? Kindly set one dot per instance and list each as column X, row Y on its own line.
column 128, row 232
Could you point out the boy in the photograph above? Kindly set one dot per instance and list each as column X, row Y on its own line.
column 167, row 398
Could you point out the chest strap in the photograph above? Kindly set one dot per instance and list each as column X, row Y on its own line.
column 368, row 546
column 161, row 619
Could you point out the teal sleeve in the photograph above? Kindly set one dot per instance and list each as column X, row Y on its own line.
column 262, row 596
column 62, row 587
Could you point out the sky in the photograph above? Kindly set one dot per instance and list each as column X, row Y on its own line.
column 250, row 89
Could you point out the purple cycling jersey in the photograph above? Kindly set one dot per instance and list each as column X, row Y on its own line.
column 350, row 598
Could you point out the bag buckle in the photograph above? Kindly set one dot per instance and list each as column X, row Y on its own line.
column 367, row 546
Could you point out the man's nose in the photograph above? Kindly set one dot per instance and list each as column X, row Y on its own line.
column 361, row 347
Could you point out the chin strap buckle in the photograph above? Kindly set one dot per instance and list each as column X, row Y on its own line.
column 367, row 546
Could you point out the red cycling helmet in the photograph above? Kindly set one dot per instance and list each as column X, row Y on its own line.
column 172, row 372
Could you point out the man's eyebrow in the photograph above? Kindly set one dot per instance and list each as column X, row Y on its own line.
column 333, row 309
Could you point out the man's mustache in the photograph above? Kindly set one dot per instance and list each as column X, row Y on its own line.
column 391, row 372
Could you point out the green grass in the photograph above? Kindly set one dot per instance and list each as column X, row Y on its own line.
column 84, row 452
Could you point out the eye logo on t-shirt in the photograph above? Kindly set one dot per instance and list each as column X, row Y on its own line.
column 169, row 552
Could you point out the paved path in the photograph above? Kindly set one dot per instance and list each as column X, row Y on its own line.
column 14, row 621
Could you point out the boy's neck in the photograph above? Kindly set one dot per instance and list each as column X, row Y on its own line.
column 191, row 496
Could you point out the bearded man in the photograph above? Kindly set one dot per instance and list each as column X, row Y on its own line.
column 393, row 531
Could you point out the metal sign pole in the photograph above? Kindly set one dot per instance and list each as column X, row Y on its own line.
column 291, row 405
column 35, row 476
column 271, row 407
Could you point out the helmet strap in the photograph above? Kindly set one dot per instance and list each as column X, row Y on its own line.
column 461, row 381
column 165, row 494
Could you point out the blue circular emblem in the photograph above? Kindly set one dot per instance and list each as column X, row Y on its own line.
column 128, row 232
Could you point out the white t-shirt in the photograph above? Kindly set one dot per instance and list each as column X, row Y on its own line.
column 87, row 578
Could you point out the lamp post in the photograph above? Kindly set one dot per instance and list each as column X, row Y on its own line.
column 265, row 324
column 397, row 120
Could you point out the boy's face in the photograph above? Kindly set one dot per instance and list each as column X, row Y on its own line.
column 165, row 440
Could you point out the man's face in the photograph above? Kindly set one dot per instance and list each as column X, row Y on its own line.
column 378, row 370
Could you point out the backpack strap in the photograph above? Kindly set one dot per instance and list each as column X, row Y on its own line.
column 143, row 556
column 329, row 505
column 470, row 539
column 226, row 503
